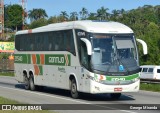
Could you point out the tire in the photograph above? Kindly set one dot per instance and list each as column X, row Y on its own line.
column 115, row 96
column 74, row 92
column 31, row 83
column 26, row 82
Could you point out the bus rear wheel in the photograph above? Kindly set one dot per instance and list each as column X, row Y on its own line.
column 31, row 82
column 26, row 82
column 74, row 92
column 115, row 95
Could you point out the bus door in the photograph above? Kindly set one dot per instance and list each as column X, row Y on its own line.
column 85, row 62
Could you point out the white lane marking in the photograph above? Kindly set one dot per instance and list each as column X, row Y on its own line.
column 42, row 94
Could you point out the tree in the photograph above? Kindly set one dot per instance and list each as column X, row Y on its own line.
column 102, row 13
column 83, row 13
column 92, row 16
column 157, row 9
column 36, row 14
column 73, row 16
column 38, row 23
column 115, row 14
column 64, row 16
column 152, row 37
column 52, row 19
column 13, row 17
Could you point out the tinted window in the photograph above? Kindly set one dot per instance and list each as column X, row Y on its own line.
column 158, row 70
column 144, row 69
column 150, row 70
column 47, row 41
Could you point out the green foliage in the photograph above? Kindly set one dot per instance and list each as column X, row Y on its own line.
column 7, row 74
column 52, row 19
column 7, row 101
column 4, row 56
column 84, row 13
column 37, row 14
column 13, row 16
column 145, row 23
column 11, row 39
column 102, row 13
column 150, row 87
column 73, row 16
column 38, row 23
column 64, row 16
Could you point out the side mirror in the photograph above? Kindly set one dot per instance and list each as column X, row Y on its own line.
column 88, row 45
column 144, row 45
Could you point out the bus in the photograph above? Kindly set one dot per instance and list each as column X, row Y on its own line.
column 80, row 56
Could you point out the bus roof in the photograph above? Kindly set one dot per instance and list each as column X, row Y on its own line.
column 86, row 25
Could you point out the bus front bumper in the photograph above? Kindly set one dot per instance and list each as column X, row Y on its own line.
column 97, row 87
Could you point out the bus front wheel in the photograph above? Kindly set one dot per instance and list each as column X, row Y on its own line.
column 115, row 95
column 74, row 92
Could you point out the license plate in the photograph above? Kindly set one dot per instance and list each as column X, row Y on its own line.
column 117, row 89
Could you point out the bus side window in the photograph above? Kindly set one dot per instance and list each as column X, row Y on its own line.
column 158, row 70
column 31, row 47
column 69, row 41
column 50, row 47
column 145, row 69
column 150, row 70
column 84, row 55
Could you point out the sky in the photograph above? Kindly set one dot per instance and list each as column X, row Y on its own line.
column 54, row 7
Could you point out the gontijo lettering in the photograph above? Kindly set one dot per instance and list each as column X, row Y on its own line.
column 56, row 59
column 118, row 79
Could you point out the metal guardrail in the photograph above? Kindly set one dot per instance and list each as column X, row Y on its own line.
column 150, row 81
column 6, row 70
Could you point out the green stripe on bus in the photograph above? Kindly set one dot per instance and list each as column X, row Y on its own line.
column 29, row 59
column 41, row 70
column 69, row 58
column 38, row 59
column 21, row 58
column 50, row 59
column 129, row 77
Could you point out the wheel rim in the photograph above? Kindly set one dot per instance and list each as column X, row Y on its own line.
column 31, row 82
column 74, row 90
column 26, row 82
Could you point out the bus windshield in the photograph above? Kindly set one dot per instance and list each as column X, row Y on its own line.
column 113, row 53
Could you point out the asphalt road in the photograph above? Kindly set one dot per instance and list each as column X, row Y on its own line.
column 11, row 89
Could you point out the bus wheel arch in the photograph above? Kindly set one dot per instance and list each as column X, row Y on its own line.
column 73, row 87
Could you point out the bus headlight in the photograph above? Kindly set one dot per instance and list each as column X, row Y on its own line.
column 93, row 78
column 90, row 77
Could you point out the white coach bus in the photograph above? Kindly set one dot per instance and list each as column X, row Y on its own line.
column 80, row 56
